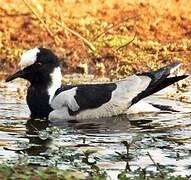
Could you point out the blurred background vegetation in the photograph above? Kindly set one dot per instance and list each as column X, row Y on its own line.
column 108, row 38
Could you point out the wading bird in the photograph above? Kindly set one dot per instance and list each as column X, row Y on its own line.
column 48, row 98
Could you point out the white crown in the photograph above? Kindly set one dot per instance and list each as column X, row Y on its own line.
column 29, row 57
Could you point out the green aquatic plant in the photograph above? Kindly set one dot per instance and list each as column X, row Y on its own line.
column 31, row 172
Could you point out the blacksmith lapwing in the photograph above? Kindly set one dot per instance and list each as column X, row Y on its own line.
column 48, row 98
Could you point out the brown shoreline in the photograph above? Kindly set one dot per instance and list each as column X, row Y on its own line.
column 163, row 34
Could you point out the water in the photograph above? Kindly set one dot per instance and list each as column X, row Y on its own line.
column 166, row 137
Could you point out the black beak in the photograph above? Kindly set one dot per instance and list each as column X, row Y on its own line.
column 18, row 74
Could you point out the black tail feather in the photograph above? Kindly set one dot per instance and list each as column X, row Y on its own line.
column 167, row 82
column 164, row 107
column 159, row 80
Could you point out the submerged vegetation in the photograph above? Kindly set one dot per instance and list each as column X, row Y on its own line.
column 63, row 153
column 83, row 162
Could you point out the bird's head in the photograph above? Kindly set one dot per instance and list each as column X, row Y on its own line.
column 37, row 65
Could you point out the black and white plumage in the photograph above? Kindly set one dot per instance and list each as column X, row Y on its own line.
column 48, row 98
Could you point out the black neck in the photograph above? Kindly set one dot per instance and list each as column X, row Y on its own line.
column 40, row 80
column 38, row 101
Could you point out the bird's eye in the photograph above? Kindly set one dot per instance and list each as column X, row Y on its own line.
column 38, row 64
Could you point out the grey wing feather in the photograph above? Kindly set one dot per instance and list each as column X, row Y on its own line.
column 129, row 88
column 126, row 90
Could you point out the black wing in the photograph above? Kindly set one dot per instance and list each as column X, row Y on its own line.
column 83, row 96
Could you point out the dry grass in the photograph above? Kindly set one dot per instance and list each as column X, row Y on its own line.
column 109, row 38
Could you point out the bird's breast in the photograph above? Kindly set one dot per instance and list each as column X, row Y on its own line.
column 38, row 102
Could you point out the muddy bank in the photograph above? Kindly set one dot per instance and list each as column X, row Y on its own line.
column 122, row 37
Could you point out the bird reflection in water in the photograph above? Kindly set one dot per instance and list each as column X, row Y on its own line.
column 37, row 145
column 109, row 125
